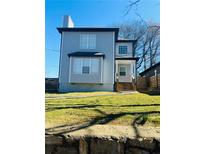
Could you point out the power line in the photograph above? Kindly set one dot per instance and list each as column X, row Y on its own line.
column 51, row 37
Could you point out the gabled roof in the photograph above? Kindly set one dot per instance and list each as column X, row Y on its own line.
column 89, row 29
column 87, row 54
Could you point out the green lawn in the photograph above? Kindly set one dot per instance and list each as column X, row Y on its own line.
column 115, row 109
column 83, row 94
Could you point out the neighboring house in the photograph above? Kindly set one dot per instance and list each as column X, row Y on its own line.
column 152, row 71
column 93, row 59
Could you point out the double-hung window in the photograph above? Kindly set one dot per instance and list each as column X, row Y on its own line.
column 92, row 41
column 76, row 66
column 88, row 41
column 85, row 65
column 122, row 49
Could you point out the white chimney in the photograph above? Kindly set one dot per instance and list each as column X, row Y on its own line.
column 67, row 22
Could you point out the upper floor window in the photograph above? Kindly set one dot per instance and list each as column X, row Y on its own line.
column 122, row 49
column 87, row 41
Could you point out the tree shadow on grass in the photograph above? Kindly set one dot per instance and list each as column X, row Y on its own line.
column 81, row 106
column 151, row 93
column 106, row 118
column 139, row 120
column 73, row 107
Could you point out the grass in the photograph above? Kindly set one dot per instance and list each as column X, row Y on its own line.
column 95, row 107
column 83, row 94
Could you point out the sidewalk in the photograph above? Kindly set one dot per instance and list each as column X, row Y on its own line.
column 116, row 93
column 107, row 131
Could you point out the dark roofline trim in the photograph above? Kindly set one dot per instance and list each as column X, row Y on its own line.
column 86, row 54
column 90, row 29
column 50, row 78
column 127, row 58
column 131, row 41
column 156, row 65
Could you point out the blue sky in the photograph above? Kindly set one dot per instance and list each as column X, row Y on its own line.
column 88, row 13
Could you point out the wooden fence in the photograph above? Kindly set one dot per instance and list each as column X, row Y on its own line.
column 149, row 84
column 51, row 84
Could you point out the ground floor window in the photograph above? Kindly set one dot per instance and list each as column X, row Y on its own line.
column 123, row 70
column 85, row 65
column 86, row 69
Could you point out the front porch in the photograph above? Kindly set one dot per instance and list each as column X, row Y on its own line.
column 125, row 86
column 125, row 74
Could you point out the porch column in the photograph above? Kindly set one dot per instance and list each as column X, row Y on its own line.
column 134, row 74
column 116, row 70
column 102, row 68
column 134, row 63
column 132, row 71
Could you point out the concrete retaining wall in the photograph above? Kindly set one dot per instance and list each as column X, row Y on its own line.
column 93, row 145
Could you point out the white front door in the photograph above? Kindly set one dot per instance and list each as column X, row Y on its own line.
column 124, row 73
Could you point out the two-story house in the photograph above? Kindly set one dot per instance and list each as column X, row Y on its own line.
column 93, row 59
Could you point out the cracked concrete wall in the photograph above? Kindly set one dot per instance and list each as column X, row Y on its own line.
column 94, row 145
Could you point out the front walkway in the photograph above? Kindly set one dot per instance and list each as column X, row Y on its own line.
column 94, row 95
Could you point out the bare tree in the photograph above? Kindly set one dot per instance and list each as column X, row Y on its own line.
column 146, row 36
column 134, row 30
column 132, row 4
column 146, row 41
column 153, row 32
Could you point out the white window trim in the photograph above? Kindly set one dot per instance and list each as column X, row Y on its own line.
column 81, row 66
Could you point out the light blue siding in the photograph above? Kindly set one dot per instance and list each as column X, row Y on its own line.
column 105, row 43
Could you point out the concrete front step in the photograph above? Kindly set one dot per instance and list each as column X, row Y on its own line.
column 125, row 86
